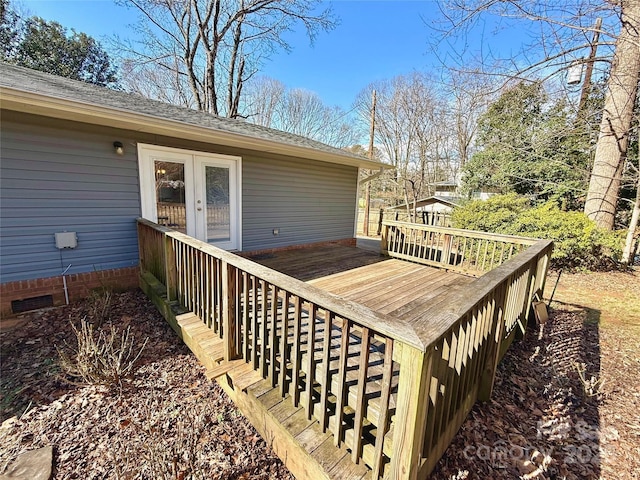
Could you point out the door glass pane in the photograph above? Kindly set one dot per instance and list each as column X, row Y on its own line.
column 217, row 198
column 170, row 195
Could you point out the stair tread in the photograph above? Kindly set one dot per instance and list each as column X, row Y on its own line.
column 222, row 369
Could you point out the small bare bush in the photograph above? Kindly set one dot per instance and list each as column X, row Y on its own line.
column 592, row 386
column 100, row 305
column 100, row 358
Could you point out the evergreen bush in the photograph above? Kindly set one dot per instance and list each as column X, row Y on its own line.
column 578, row 243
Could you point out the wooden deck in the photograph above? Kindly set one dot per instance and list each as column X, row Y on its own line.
column 317, row 346
column 386, row 285
column 389, row 286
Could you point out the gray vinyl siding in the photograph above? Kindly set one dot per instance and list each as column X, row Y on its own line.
column 307, row 201
column 55, row 180
column 64, row 176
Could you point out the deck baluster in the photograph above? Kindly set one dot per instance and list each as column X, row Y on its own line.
column 246, row 306
column 325, row 382
column 254, row 323
column 273, row 336
column 385, row 395
column 296, row 354
column 363, row 371
column 311, row 364
column 342, row 378
column 284, row 346
column 264, row 324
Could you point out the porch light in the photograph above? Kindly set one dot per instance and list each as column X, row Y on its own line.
column 119, row 148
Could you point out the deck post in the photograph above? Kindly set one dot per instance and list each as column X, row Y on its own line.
column 411, row 412
column 446, row 250
column 229, row 332
column 170, row 269
column 384, row 240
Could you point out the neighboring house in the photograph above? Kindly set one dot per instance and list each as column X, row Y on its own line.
column 447, row 188
column 442, row 202
column 84, row 162
column 434, row 210
column 435, row 203
column 451, row 188
column 446, row 196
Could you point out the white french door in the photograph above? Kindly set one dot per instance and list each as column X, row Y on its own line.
column 195, row 193
column 217, row 201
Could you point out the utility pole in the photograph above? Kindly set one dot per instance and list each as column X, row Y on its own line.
column 367, row 195
column 586, row 86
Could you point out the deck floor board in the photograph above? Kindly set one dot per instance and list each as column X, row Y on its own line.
column 387, row 285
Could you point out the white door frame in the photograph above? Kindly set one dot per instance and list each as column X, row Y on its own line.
column 194, row 162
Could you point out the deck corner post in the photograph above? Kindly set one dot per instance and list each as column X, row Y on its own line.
column 229, row 311
column 384, row 240
column 542, row 269
column 411, row 412
column 171, row 273
column 380, row 220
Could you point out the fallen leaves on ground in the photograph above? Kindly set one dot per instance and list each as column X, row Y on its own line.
column 169, row 421
column 565, row 406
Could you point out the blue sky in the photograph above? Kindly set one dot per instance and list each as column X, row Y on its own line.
column 375, row 40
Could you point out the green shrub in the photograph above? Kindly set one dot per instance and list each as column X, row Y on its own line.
column 492, row 215
column 578, row 243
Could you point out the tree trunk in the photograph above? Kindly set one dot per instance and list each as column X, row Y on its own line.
column 611, row 148
column 629, row 250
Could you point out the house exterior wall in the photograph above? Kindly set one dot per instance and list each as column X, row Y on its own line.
column 63, row 176
column 54, row 180
column 307, row 202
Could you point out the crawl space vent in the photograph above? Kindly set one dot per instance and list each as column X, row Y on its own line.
column 33, row 303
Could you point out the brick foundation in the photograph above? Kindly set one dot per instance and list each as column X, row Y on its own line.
column 79, row 285
column 347, row 242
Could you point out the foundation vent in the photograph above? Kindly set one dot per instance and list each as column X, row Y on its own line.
column 33, row 303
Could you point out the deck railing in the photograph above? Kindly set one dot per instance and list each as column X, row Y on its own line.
column 467, row 334
column 466, row 251
column 392, row 390
column 272, row 320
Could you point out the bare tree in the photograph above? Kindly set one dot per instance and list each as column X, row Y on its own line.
column 212, row 47
column 563, row 32
column 469, row 94
column 161, row 84
column 263, row 96
column 412, row 132
column 628, row 250
column 269, row 103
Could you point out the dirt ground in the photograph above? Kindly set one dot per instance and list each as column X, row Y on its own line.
column 566, row 401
